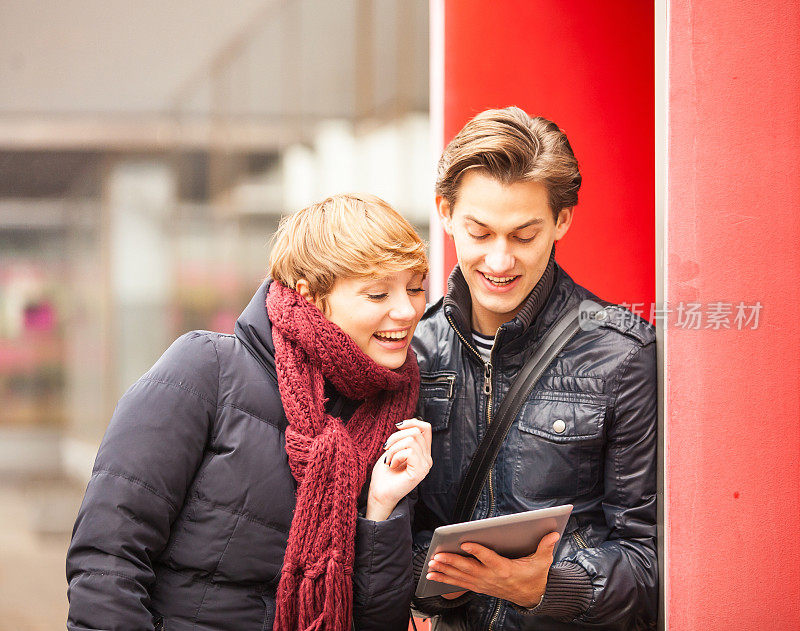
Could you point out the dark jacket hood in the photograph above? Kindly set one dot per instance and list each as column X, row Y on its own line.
column 254, row 330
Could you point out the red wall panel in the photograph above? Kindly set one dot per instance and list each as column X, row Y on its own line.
column 733, row 402
column 732, row 425
column 588, row 66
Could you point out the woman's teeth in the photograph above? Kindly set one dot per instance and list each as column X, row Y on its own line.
column 499, row 280
column 393, row 335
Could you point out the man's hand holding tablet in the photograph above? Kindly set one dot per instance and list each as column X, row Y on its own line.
column 521, row 581
column 506, row 557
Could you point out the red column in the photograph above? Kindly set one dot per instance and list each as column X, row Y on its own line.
column 588, row 66
column 731, row 229
column 732, row 397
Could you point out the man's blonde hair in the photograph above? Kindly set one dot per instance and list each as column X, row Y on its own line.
column 344, row 236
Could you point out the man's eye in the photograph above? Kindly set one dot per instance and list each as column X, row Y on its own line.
column 478, row 237
column 526, row 239
column 377, row 296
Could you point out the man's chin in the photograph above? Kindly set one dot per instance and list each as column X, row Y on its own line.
column 503, row 309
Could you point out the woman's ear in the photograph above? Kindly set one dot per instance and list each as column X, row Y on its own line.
column 301, row 287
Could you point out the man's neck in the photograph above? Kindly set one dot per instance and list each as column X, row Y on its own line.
column 487, row 322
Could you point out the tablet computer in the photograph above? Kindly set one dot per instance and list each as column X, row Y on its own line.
column 511, row 536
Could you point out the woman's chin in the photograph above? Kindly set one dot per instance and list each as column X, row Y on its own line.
column 392, row 360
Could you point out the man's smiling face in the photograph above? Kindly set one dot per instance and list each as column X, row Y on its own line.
column 503, row 237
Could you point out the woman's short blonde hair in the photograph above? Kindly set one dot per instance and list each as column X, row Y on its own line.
column 344, row 236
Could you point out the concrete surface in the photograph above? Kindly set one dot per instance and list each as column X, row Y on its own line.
column 36, row 519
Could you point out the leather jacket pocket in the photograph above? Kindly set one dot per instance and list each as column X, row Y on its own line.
column 559, row 438
column 436, row 396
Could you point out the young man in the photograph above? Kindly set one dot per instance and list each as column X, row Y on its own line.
column 586, row 435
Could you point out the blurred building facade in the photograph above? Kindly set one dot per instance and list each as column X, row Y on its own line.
column 147, row 154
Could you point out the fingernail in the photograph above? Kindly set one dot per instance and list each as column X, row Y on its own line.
column 400, row 424
column 386, row 445
column 429, row 576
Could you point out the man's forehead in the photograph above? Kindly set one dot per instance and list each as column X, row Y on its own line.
column 489, row 202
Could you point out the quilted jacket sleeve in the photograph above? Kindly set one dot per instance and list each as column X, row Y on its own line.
column 146, row 462
column 382, row 576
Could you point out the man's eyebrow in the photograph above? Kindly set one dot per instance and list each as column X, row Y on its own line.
column 532, row 222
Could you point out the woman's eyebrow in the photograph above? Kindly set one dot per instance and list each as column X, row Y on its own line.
column 371, row 281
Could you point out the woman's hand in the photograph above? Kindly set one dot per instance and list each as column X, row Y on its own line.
column 400, row 468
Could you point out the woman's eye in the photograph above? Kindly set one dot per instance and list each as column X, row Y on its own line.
column 377, row 296
column 416, row 290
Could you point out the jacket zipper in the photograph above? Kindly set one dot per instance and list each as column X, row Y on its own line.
column 495, row 615
column 578, row 538
column 450, row 380
column 487, row 390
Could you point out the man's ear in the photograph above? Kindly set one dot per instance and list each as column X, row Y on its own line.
column 445, row 214
column 563, row 223
column 301, row 287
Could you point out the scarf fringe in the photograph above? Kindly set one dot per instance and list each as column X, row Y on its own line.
column 323, row 600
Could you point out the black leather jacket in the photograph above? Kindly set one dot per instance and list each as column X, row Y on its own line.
column 586, row 436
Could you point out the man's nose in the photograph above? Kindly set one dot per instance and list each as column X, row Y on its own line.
column 499, row 260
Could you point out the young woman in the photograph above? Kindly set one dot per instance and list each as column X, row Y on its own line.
column 259, row 480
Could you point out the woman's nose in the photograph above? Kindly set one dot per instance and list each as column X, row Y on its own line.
column 402, row 309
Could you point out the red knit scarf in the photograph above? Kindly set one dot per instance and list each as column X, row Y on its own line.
column 329, row 459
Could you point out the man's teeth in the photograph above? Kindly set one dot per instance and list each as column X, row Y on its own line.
column 500, row 280
column 394, row 335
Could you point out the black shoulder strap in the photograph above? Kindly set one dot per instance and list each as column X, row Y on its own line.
column 483, row 460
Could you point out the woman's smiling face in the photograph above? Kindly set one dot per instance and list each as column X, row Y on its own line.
column 379, row 313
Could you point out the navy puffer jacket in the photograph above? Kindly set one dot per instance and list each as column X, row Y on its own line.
column 186, row 517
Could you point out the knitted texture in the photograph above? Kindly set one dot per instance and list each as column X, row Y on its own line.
column 328, row 459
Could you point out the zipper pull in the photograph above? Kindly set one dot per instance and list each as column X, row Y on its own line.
column 487, row 379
